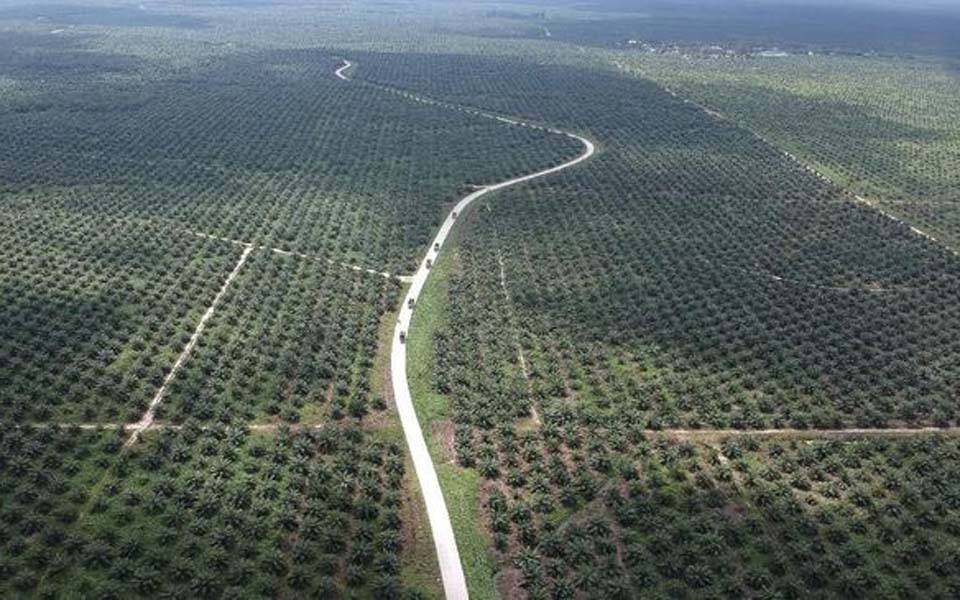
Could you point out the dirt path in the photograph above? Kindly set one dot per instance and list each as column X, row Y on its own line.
column 283, row 252
column 691, row 434
column 707, row 434
column 796, row 160
column 521, row 359
column 147, row 419
column 451, row 569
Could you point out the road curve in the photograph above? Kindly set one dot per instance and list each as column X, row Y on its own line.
column 339, row 72
column 451, row 569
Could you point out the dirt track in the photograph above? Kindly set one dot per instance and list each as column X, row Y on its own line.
column 451, row 569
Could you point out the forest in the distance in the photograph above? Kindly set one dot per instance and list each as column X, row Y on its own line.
column 692, row 331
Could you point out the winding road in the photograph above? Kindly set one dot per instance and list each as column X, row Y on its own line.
column 451, row 569
column 339, row 72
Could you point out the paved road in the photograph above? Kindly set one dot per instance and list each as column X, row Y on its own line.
column 451, row 569
column 339, row 72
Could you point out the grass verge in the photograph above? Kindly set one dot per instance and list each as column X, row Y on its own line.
column 419, row 569
column 461, row 486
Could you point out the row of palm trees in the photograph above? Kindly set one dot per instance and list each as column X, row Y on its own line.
column 291, row 335
column 675, row 529
column 91, row 328
column 200, row 511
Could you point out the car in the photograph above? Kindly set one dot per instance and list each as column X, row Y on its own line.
column 403, row 336
column 410, row 303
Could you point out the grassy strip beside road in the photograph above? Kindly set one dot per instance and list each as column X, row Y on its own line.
column 460, row 486
column 419, row 570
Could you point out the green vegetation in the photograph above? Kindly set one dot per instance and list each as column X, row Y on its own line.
column 429, row 319
column 201, row 512
column 264, row 146
column 751, row 27
column 887, row 129
column 95, row 311
column 689, row 276
column 461, row 490
column 740, row 518
column 460, row 485
column 141, row 159
column 294, row 335
column 419, row 570
column 594, row 350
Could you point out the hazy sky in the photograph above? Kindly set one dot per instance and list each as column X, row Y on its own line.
column 889, row 4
